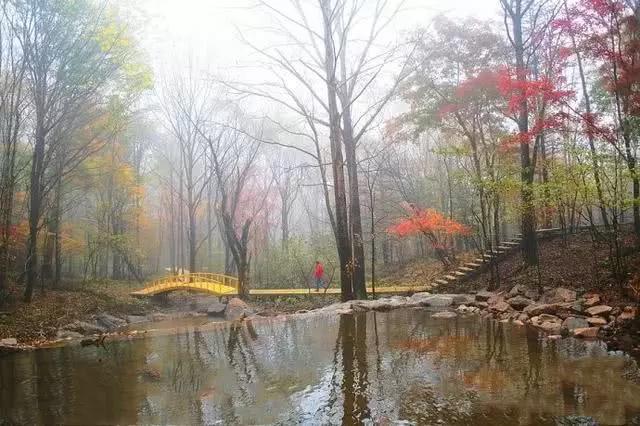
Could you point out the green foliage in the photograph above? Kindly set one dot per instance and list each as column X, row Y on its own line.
column 292, row 267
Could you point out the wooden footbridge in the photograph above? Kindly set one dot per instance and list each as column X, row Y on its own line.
column 225, row 285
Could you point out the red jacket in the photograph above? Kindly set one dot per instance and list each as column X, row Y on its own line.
column 319, row 270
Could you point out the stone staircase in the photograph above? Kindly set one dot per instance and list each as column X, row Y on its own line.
column 479, row 264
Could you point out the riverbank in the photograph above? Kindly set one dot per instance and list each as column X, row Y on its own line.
column 92, row 309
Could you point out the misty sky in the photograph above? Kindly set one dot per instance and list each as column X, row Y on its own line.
column 179, row 29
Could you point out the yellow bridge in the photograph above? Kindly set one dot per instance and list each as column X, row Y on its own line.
column 216, row 284
column 225, row 285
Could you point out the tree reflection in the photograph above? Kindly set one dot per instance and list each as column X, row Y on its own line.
column 355, row 368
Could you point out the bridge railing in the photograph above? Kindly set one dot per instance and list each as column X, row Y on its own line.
column 218, row 283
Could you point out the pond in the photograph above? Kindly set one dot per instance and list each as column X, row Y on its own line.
column 401, row 366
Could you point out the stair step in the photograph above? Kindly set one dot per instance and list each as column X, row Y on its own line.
column 465, row 268
column 487, row 256
column 441, row 281
column 450, row 277
column 475, row 264
column 511, row 243
column 504, row 247
column 459, row 273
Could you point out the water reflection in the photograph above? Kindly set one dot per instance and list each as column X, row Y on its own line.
column 352, row 369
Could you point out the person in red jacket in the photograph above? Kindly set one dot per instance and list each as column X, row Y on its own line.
column 317, row 275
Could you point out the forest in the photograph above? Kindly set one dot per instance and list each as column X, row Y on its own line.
column 351, row 145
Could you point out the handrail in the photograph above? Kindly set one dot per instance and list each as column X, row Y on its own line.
column 211, row 282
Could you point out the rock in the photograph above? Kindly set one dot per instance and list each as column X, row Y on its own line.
column 518, row 322
column 592, row 301
column 516, row 290
column 550, row 327
column 9, row 341
column 159, row 316
column 237, row 309
column 588, row 332
column 501, row 306
column 84, row 328
column 599, row 310
column 577, row 307
column 544, row 308
column 519, row 302
column 109, row 321
column 302, row 311
column 549, row 323
column 554, row 337
column 596, row 321
column 523, row 317
column 572, row 323
column 68, row 334
column 629, row 313
column 136, row 319
column 216, row 309
column 479, row 305
column 445, row 314
column 532, row 294
column 496, row 298
column 559, row 295
column 483, row 296
column 575, row 421
column 417, row 297
column 438, row 301
column 462, row 299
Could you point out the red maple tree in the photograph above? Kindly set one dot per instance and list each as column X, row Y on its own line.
column 438, row 229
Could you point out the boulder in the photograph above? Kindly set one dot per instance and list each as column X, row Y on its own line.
column 592, row 301
column 577, row 307
column 109, row 321
column 216, row 309
column 136, row 319
column 554, row 337
column 588, row 332
column 532, row 294
column 479, row 305
column 9, row 341
column 84, row 328
column 445, row 314
column 501, row 306
column 550, row 327
column 237, row 309
column 596, row 321
column 68, row 334
column 496, row 298
column 438, row 301
column 629, row 313
column 518, row 322
column 519, row 302
column 599, row 310
column 536, row 309
column 483, row 296
column 548, row 323
column 462, row 299
column 517, row 290
column 559, row 295
column 159, row 316
column 572, row 323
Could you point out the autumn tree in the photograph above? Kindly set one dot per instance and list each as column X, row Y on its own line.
column 438, row 229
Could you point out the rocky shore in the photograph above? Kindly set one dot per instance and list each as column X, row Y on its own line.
column 558, row 312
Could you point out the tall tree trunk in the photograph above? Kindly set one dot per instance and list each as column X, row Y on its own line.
column 342, row 223
column 528, row 223
column 355, row 217
column 34, row 213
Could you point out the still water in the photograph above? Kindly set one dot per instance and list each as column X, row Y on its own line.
column 366, row 368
